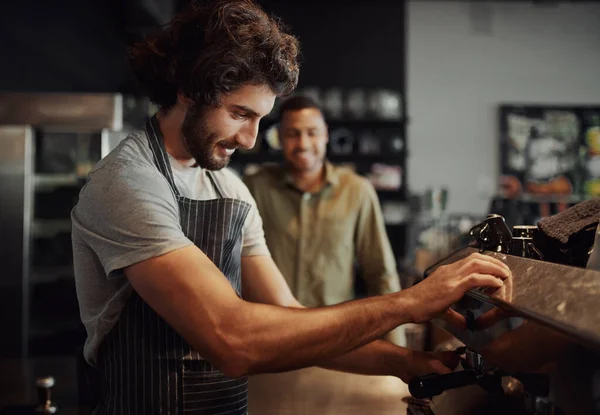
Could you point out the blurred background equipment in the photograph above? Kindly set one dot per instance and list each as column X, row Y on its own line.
column 50, row 142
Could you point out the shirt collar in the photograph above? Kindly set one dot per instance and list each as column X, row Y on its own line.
column 331, row 175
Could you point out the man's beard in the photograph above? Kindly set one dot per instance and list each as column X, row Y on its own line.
column 200, row 141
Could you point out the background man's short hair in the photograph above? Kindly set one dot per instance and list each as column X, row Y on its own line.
column 297, row 103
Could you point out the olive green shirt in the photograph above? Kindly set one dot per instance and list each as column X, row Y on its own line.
column 316, row 238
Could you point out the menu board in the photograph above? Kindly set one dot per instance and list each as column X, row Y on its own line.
column 550, row 150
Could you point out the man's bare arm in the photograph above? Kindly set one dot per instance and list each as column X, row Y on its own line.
column 240, row 337
column 264, row 283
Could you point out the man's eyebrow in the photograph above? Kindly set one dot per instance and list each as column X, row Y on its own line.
column 247, row 110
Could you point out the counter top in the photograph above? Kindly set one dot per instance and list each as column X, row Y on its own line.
column 320, row 391
column 305, row 391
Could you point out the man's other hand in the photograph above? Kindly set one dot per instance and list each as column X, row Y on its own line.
column 416, row 363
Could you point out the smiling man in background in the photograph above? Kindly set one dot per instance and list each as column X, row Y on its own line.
column 320, row 220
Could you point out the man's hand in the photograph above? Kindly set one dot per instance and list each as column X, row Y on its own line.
column 496, row 314
column 417, row 363
column 433, row 296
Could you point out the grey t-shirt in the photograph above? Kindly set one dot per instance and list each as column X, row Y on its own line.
column 127, row 213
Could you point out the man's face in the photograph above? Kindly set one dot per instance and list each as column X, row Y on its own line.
column 211, row 134
column 303, row 139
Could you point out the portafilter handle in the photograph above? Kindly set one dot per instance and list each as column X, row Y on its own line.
column 426, row 386
column 45, row 404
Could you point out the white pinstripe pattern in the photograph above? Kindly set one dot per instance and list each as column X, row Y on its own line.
column 143, row 346
column 227, row 226
column 195, row 220
column 236, row 410
column 219, row 406
column 166, row 348
column 143, row 350
column 159, row 360
column 214, row 228
column 236, row 228
column 219, row 249
column 189, row 210
column 151, row 359
column 118, row 371
column 204, row 383
column 227, row 261
column 123, row 349
column 135, row 366
column 202, row 242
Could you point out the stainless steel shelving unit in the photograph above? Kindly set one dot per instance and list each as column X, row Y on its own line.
column 30, row 291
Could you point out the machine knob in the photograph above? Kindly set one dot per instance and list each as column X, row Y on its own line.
column 45, row 404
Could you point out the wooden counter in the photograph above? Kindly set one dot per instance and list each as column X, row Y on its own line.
column 320, row 391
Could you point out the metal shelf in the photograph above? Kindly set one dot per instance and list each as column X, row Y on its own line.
column 47, row 228
column 42, row 274
column 267, row 157
column 359, row 122
column 49, row 181
column 52, row 326
column 533, row 198
column 397, row 224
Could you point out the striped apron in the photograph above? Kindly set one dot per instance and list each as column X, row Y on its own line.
column 145, row 366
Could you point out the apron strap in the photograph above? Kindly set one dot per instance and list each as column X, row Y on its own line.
column 161, row 158
column 215, row 184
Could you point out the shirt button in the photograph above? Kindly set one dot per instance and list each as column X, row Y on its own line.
column 306, row 196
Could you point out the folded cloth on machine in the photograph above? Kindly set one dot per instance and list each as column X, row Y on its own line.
column 568, row 237
column 573, row 220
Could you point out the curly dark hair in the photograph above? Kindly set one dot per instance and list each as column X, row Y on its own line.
column 213, row 49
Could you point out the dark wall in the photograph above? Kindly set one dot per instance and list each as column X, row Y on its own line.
column 61, row 45
column 80, row 45
column 347, row 43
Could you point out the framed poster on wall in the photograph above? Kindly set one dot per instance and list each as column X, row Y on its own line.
column 550, row 150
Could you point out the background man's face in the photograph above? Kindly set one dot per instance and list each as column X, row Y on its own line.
column 303, row 139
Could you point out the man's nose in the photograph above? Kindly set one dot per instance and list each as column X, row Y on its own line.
column 246, row 137
column 303, row 141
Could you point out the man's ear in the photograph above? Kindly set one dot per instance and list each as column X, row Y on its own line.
column 184, row 100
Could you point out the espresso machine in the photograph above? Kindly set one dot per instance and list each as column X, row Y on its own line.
column 540, row 354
